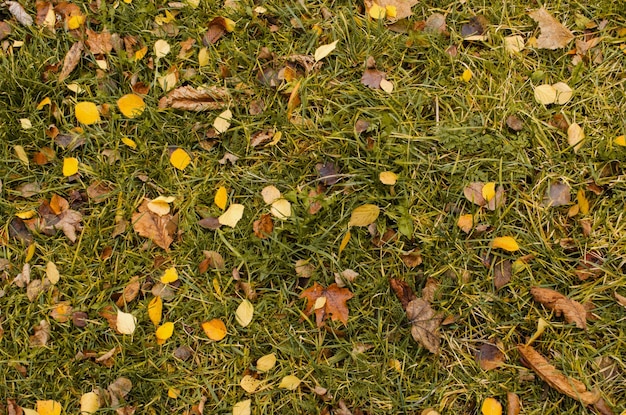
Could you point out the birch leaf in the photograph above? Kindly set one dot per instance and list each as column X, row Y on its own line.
column 289, row 382
column 214, row 329
column 164, row 332
column 221, row 198
column 364, row 215
column 52, row 273
column 222, row 122
column 180, row 159
column 89, row 403
column 126, row 322
column 232, row 216
column 244, row 313
column 507, row 243
column 155, row 310
column 324, row 50
column 70, row 166
column 242, row 407
column 281, row 209
column 266, row 363
column 575, row 136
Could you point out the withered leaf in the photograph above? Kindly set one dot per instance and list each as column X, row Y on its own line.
column 502, row 273
column 159, row 229
column 372, row 77
column 99, row 43
column 328, row 172
column 402, row 290
column 403, row 7
column 117, row 392
column 553, row 377
column 41, row 334
column 99, row 191
column 131, row 291
column 553, row 34
column 327, row 302
column 191, row 99
column 424, row 324
column 412, row 258
column 498, row 200
column 513, row 406
column 72, row 57
column 558, row 194
column 217, row 29
column 79, row 318
column 489, row 356
column 436, row 23
column 474, row 193
column 573, row 311
column 263, row 226
column 514, row 123
column 214, row 260
column 5, row 29
column 19, row 13
column 477, row 26
column 210, row 223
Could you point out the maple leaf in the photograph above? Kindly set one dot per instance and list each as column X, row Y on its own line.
column 160, row 229
column 327, row 302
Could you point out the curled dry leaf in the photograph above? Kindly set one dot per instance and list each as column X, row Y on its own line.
column 573, row 311
column 402, row 290
column 575, row 136
column 553, row 34
column 191, row 99
column 263, row 226
column 72, row 57
column 41, row 334
column 489, row 356
column 513, row 406
column 557, row 380
column 19, row 13
column 424, row 324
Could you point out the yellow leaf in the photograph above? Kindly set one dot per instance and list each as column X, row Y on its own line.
column 131, row 105
column 391, row 11
column 48, row 407
column 155, row 310
column 164, row 332
column 466, row 222
column 505, row 242
column 221, row 198
column 173, row 393
column 395, row 364
column 180, row 159
column 193, row 3
column 168, row 81
column 161, row 48
column 289, row 382
column 244, row 313
column 161, row 205
column 130, row 143
column 170, row 275
column 270, row 194
column 26, row 215
column 386, row 86
column 620, row 141
column 491, row 407
column 233, row 214
column 139, row 54
column 89, row 403
column 70, row 166
column 217, row 288
column 86, row 113
column 203, row 57
column 30, row 252
column 52, row 273
column 214, row 329
column 575, row 136
column 563, row 93
column 125, row 322
column 76, row 21
column 21, row 154
column 514, row 44
column 222, row 122
column 377, row 12
column 467, row 75
column 229, row 24
column 43, row 103
column 545, row 94
column 28, row 411
column 344, row 241
column 242, row 407
column 583, row 202
column 324, row 50
column 489, row 191
column 364, row 215
column 281, row 209
column 266, row 363
column 26, row 124
column 249, row 384
column 388, row 178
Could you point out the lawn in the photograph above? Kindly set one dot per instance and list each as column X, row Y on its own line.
column 158, row 252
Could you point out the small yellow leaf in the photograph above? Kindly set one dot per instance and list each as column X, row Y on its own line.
column 131, row 105
column 467, row 75
column 466, row 222
column 21, row 154
column 324, row 50
column 344, row 241
column 244, row 313
column 289, row 382
column 514, row 44
column 30, row 252
column 505, row 242
column 26, row 215
column 222, row 122
column 139, row 54
column 217, row 288
column 70, row 166
column 281, row 209
column 620, row 141
column 563, row 93
column 170, row 275
column 545, row 94
column 75, row 88
column 377, row 12
column 180, row 159
column 48, row 407
column 155, row 310
column 203, row 57
column 388, row 178
column 243, row 407
column 491, row 407
column 270, row 194
column 173, row 393
column 168, row 81
column 221, row 198
column 164, row 332
column 193, row 3
column 52, row 273
column 125, row 322
column 130, row 143
column 233, row 214
column 76, row 21
column 89, row 403
column 575, row 136
column 229, row 24
column 266, row 363
column 28, row 411
column 364, row 215
column 161, row 48
column 391, row 11
column 86, row 113
column 249, row 384
column 386, row 86
column 583, row 202
column 161, row 205
column 26, row 124
column 395, row 365
column 214, row 329
column 489, row 191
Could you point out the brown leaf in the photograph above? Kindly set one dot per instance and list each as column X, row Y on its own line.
column 42, row 334
column 131, row 291
column 372, row 77
column 328, row 172
column 99, row 191
column 489, row 356
column 217, row 29
column 403, row 7
column 558, row 194
column 553, row 34
column 191, row 99
column 261, row 137
column 553, row 377
column 476, row 27
column 402, row 290
column 620, row 298
column 498, row 200
column 502, row 273
column 117, row 392
column 412, row 258
column 331, row 302
column 264, row 226
column 436, row 23
column 19, row 13
column 514, row 123
column 72, row 57
column 474, row 193
column 210, row 223
column 513, row 406
column 573, row 311
column 99, row 43
column 79, row 318
column 5, row 29
column 590, row 266
column 159, row 229
column 214, row 260
column 424, row 324
column 62, row 312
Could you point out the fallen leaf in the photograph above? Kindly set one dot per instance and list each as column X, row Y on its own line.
column 87, row 113
column 563, row 93
column 131, row 105
column 466, row 76
column 507, row 243
column 573, row 311
column 289, row 382
column 232, row 215
column 402, row 290
column 216, row 29
column 244, row 313
column 41, row 334
column 514, row 44
column 99, row 43
column 192, row 99
column 180, row 159
column 159, row 229
column 126, row 322
column 263, row 227
column 502, row 273
column 424, row 324
column 61, row 312
column 222, row 122
column 243, row 407
column 372, row 78
column 345, row 276
column 5, row 30
column 161, row 48
column 70, row 166
column 266, row 363
column 294, row 99
column 489, row 356
column 281, row 209
column 402, row 8
column 117, row 392
column 48, row 407
column 270, row 194
column 221, row 198
column 214, row 329
column 324, row 50
column 334, row 306
column 491, row 406
column 474, row 193
column 364, row 215
column 558, row 194
column 170, row 275
column 583, row 202
column 344, row 241
column 488, row 191
column 388, row 177
column 466, row 222
column 19, row 13
column 249, row 384
column 155, row 310
column 545, row 94
column 553, row 34
column 89, row 403
column 412, row 258
column 52, row 272
column 475, row 28
column 557, row 380
column 513, row 406
column 164, row 332
column 575, row 136
column 436, row 23
column 620, row 298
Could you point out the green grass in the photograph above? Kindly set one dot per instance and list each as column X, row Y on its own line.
column 433, row 157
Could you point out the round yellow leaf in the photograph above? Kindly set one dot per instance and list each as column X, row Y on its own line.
column 89, row 403
column 388, row 178
column 161, row 205
column 243, row 407
column 131, row 105
column 545, row 94
column 466, row 222
column 155, row 310
column 563, row 93
column 289, row 382
column 249, row 384
column 87, row 113
column 364, row 215
column 266, row 363
column 491, row 407
column 164, row 332
column 170, row 275
column 161, row 48
column 180, row 159
column 505, row 242
column 48, row 407
column 377, row 12
column 125, row 322
column 281, row 209
column 214, row 329
column 244, row 313
column 467, row 75
column 70, row 166
column 270, row 194
column 620, row 141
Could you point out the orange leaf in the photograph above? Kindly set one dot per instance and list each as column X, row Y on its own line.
column 131, row 105
column 327, row 302
column 180, row 159
column 214, row 329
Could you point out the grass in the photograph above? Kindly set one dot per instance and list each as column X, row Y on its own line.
column 435, row 131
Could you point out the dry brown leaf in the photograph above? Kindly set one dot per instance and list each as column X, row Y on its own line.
column 553, row 34
column 573, row 311
column 160, row 229
column 117, row 392
column 498, row 200
column 558, row 194
column 72, row 57
column 99, row 191
column 5, row 29
column 99, row 43
column 131, row 291
column 436, row 23
column 620, row 299
column 372, row 77
column 473, row 192
column 263, row 226
column 214, row 260
column 191, row 99
column 502, row 273
column 553, row 377
column 412, row 258
column 513, row 406
column 41, row 334
column 424, row 324
column 402, row 290
column 19, row 13
column 489, row 356
column 327, row 302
